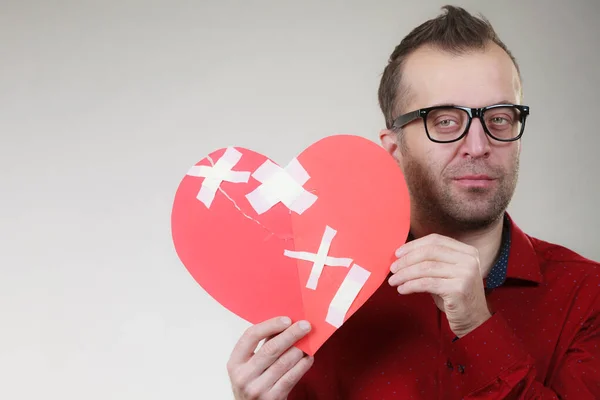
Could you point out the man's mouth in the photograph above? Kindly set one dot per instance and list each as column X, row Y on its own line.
column 475, row 181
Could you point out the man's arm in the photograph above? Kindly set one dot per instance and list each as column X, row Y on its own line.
column 491, row 363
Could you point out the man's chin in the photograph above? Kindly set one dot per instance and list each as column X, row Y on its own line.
column 471, row 191
column 477, row 215
column 476, row 210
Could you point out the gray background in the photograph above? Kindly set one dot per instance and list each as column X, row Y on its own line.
column 104, row 105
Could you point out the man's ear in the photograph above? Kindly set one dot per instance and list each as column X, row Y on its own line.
column 389, row 141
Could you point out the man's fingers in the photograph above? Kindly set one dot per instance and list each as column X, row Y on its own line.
column 435, row 239
column 244, row 366
column 244, row 348
column 274, row 348
column 279, row 368
column 439, row 286
column 269, row 338
column 286, row 383
column 432, row 252
column 424, row 269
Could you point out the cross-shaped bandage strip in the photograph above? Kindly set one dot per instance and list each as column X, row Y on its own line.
column 320, row 259
column 281, row 185
column 220, row 172
column 352, row 284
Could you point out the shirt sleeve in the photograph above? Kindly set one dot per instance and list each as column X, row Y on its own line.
column 491, row 363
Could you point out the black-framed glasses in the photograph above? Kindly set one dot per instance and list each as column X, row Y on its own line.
column 446, row 124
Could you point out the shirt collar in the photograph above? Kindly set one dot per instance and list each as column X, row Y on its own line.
column 498, row 273
column 523, row 262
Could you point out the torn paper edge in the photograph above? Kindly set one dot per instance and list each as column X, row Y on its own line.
column 237, row 207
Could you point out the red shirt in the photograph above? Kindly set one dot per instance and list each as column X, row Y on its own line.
column 542, row 341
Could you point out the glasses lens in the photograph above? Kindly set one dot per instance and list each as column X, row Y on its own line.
column 503, row 122
column 446, row 124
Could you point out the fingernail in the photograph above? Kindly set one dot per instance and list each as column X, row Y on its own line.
column 399, row 252
column 304, row 325
column 285, row 321
column 393, row 268
column 391, row 280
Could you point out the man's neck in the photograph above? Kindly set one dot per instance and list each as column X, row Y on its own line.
column 486, row 240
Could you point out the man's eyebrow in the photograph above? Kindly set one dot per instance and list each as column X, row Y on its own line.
column 460, row 105
column 503, row 102
column 444, row 105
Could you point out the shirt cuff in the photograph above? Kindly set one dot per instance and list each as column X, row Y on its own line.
column 484, row 354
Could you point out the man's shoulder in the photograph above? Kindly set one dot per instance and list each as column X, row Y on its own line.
column 554, row 256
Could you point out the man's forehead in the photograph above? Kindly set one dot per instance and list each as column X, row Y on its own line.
column 472, row 78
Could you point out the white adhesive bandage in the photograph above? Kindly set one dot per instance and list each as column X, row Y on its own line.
column 346, row 294
column 220, row 172
column 283, row 185
column 320, row 259
column 329, row 261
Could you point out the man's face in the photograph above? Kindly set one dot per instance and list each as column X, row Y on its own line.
column 466, row 184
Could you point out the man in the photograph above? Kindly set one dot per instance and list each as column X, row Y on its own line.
column 474, row 308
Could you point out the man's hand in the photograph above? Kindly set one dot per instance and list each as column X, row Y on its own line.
column 271, row 372
column 450, row 271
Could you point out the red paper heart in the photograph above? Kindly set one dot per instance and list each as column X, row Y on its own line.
column 355, row 191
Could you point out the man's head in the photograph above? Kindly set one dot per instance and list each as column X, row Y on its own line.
column 454, row 59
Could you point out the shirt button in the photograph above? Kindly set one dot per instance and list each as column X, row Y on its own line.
column 461, row 369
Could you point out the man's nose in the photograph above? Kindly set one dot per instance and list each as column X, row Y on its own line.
column 477, row 143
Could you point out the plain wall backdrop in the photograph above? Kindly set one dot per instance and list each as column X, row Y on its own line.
column 104, row 105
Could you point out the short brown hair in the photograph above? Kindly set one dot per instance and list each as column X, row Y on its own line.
column 455, row 31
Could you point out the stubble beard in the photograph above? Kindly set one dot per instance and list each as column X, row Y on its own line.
column 438, row 203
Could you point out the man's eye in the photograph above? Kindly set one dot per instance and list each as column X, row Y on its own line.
column 499, row 121
column 446, row 123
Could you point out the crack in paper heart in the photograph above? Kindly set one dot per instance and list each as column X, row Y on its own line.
column 289, row 237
